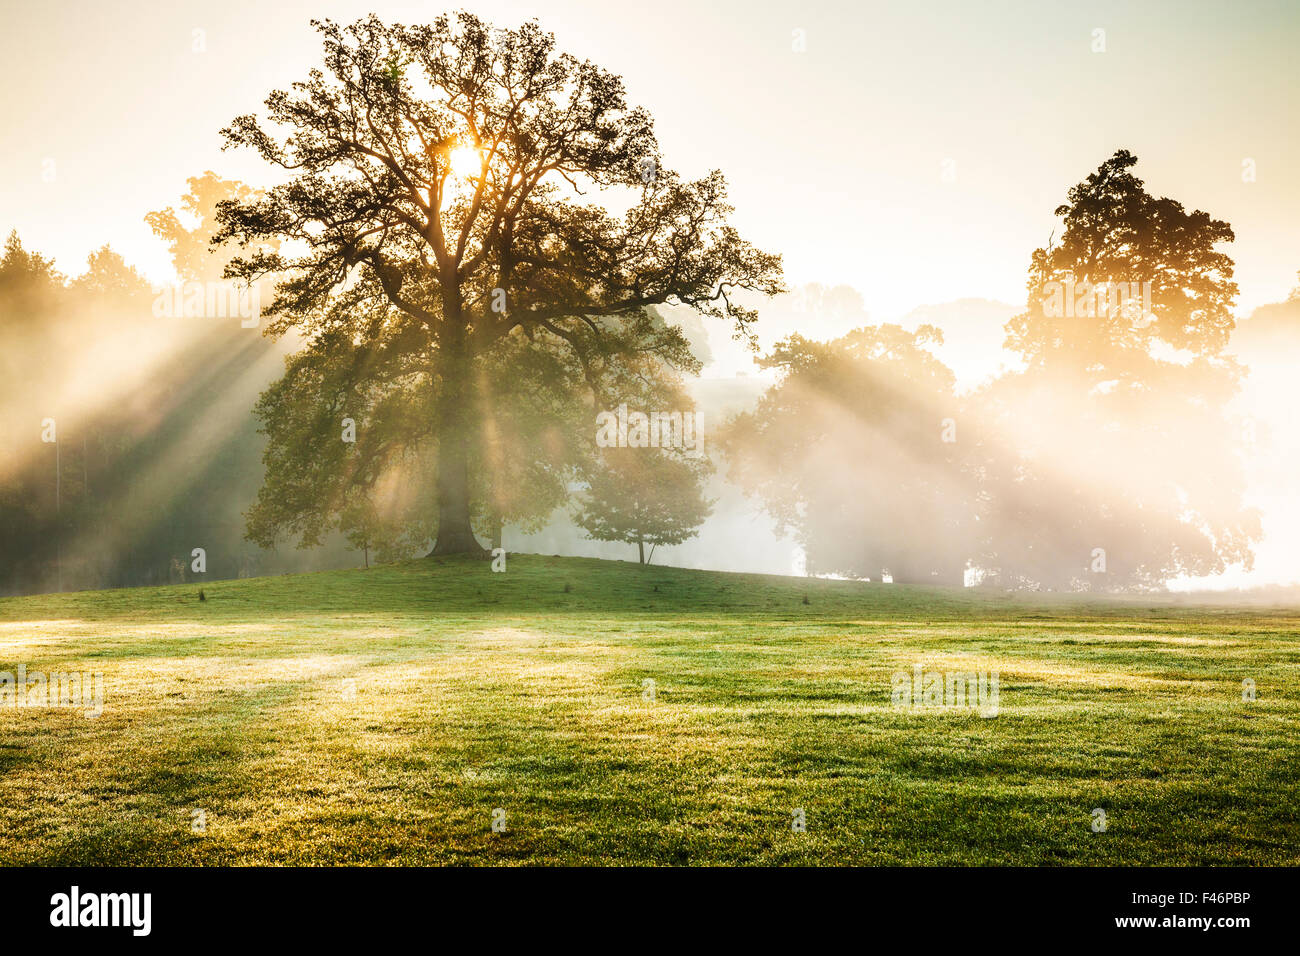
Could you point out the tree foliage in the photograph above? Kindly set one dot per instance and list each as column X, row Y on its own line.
column 1120, row 436
column 855, row 452
column 1111, row 461
column 644, row 496
column 453, row 261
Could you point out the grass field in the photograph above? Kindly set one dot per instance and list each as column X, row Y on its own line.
column 525, row 691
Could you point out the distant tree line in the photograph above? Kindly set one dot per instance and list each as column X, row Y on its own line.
column 128, row 439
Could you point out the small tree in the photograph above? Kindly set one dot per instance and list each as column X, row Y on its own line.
column 644, row 496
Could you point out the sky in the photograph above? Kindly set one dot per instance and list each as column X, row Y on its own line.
column 913, row 151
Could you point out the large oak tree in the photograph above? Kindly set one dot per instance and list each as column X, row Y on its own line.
column 438, row 203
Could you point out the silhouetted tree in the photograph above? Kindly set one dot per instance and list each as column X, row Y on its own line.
column 428, row 166
column 1120, row 466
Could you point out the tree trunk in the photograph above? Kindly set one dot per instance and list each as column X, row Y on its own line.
column 640, row 549
column 458, row 413
column 455, row 532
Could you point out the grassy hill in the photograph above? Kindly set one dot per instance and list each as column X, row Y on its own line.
column 381, row 716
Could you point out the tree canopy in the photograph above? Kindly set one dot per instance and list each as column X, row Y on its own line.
column 439, row 209
column 856, row 452
column 1110, row 461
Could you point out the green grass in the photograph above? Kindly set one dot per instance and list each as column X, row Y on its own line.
column 477, row 690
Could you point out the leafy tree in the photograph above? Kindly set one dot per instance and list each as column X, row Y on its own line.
column 537, row 434
column 644, row 496
column 30, row 292
column 431, row 173
column 856, row 450
column 537, row 438
column 193, row 252
column 1116, row 232
column 373, row 484
column 1120, row 469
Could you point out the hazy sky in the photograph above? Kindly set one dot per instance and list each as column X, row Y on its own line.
column 836, row 155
